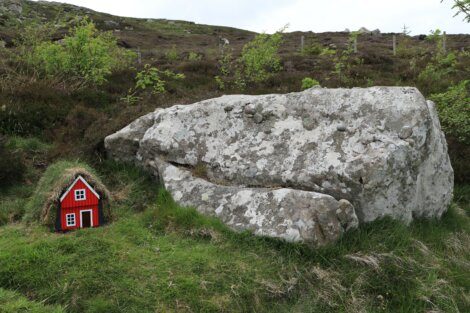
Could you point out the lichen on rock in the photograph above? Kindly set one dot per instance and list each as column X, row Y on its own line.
column 379, row 149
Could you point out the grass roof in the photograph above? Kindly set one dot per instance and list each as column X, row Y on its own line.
column 54, row 182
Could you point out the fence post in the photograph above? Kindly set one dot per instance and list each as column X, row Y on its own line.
column 394, row 45
column 444, row 42
column 139, row 56
column 355, row 44
column 302, row 43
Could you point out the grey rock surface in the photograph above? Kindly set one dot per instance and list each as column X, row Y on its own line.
column 11, row 6
column 293, row 215
column 379, row 148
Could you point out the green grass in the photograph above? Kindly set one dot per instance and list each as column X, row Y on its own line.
column 13, row 302
column 30, row 145
column 166, row 258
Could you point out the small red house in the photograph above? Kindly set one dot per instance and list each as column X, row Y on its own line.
column 79, row 207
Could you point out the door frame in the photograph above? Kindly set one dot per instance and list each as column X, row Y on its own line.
column 81, row 217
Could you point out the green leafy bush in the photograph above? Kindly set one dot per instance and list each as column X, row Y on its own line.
column 86, row 56
column 454, row 111
column 193, row 56
column 313, row 49
column 150, row 78
column 258, row 62
column 153, row 78
column 308, row 82
column 231, row 74
column 172, row 54
column 437, row 75
column 260, row 57
column 346, row 61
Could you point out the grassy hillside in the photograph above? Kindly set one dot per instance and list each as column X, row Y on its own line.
column 159, row 257
column 78, row 119
column 172, row 259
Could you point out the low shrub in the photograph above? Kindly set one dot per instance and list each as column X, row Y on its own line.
column 193, row 56
column 12, row 168
column 308, row 82
column 172, row 54
column 86, row 57
column 33, row 109
column 454, row 111
column 260, row 57
column 258, row 62
column 438, row 73
column 154, row 79
column 313, row 49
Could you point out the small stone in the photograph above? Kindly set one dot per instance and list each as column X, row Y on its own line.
column 111, row 23
column 249, row 110
column 228, row 108
column 410, row 141
column 405, row 132
column 341, row 128
column 308, row 123
column 258, row 118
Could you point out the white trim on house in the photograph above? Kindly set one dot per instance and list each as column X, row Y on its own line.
column 73, row 184
column 73, row 217
column 91, row 217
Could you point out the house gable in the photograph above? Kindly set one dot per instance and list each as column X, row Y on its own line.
column 80, row 181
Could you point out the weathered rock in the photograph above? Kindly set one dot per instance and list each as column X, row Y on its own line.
column 11, row 6
column 290, row 214
column 299, row 147
column 341, row 127
column 405, row 132
column 111, row 24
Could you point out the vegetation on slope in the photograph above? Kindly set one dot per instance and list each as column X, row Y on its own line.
column 173, row 259
column 158, row 256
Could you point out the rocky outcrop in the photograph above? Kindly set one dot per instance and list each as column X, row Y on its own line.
column 11, row 6
column 302, row 166
column 286, row 213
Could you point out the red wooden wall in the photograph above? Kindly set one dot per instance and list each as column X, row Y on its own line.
column 70, row 205
column 69, row 200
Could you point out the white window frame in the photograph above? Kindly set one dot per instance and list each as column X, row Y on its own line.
column 84, row 194
column 81, row 217
column 73, row 217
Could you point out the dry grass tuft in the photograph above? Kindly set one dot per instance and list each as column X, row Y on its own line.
column 368, row 260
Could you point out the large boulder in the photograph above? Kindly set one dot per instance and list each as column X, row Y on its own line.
column 273, row 161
